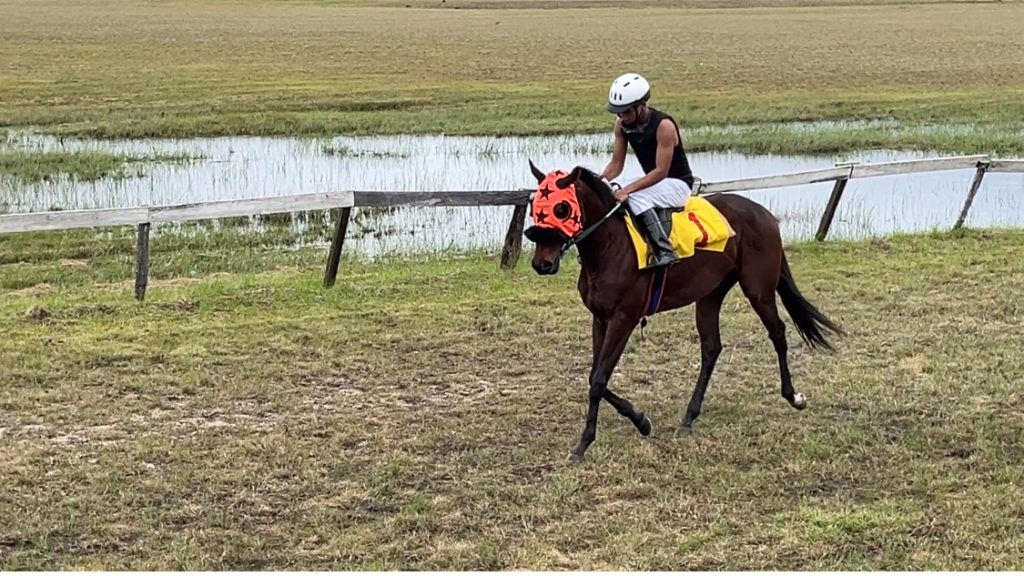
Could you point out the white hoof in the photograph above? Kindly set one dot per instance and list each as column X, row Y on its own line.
column 799, row 401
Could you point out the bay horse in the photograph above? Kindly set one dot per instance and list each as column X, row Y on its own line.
column 616, row 291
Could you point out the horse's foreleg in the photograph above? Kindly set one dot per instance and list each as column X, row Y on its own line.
column 598, row 328
column 621, row 405
column 625, row 408
column 613, row 343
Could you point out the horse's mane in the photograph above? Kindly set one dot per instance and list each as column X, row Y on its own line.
column 594, row 182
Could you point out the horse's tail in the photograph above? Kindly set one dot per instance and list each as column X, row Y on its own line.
column 810, row 322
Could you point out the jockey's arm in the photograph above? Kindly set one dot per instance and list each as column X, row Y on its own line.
column 667, row 138
column 618, row 160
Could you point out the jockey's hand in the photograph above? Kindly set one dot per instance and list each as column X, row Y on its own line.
column 621, row 194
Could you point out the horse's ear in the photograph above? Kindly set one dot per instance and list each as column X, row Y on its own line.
column 537, row 173
column 569, row 179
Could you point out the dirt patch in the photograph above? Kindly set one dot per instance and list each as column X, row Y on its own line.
column 37, row 314
column 36, row 291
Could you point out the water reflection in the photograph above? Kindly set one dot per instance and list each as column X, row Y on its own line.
column 239, row 167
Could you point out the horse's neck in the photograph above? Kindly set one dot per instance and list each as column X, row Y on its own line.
column 599, row 250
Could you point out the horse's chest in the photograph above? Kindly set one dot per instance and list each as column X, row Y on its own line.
column 598, row 298
column 588, row 292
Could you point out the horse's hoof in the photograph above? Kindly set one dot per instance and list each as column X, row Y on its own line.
column 684, row 431
column 799, row 401
column 644, row 426
column 575, row 458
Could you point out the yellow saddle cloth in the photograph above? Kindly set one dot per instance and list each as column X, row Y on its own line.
column 699, row 225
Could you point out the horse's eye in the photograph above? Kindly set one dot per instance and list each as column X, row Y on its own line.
column 562, row 210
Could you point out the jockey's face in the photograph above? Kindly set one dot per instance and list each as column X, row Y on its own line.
column 631, row 117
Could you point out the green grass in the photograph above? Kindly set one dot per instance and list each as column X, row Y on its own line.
column 29, row 166
column 839, row 138
column 137, row 69
column 418, row 416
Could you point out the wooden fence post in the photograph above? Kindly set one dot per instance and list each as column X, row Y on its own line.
column 334, row 257
column 514, row 238
column 141, row 261
column 830, row 209
column 975, row 185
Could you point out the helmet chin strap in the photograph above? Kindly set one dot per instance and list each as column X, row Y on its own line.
column 641, row 120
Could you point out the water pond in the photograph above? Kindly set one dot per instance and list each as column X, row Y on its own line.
column 241, row 167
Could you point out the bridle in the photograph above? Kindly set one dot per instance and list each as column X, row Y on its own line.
column 577, row 238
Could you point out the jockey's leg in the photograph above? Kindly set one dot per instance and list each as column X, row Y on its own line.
column 669, row 193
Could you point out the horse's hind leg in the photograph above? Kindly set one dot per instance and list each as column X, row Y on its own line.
column 762, row 299
column 708, row 310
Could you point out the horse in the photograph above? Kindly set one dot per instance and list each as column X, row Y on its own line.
column 615, row 289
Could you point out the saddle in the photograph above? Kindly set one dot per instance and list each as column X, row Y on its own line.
column 696, row 226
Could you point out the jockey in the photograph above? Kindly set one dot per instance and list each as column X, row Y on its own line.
column 655, row 140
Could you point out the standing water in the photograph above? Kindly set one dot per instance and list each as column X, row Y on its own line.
column 237, row 167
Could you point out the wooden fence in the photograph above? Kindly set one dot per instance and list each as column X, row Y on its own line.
column 341, row 204
column 143, row 218
column 843, row 173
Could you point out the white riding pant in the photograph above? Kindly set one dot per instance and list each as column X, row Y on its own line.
column 669, row 193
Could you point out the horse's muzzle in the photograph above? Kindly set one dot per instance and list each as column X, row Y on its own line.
column 546, row 267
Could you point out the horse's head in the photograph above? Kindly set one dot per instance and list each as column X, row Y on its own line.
column 556, row 217
column 558, row 211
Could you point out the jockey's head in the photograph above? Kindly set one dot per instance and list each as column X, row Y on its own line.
column 628, row 97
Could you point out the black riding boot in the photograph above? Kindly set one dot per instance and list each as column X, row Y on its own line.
column 657, row 239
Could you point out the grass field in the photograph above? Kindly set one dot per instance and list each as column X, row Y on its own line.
column 419, row 416
column 947, row 74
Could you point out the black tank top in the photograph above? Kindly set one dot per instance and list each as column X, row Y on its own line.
column 644, row 143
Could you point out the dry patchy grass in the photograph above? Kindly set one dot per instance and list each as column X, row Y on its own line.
column 419, row 416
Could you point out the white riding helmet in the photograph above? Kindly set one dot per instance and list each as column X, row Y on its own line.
column 627, row 91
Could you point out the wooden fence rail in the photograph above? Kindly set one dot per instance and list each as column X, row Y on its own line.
column 342, row 203
column 143, row 217
column 513, row 239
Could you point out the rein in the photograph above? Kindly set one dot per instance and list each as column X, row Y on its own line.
column 579, row 237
